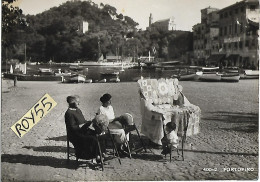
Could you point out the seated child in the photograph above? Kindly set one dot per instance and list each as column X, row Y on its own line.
column 116, row 124
column 171, row 138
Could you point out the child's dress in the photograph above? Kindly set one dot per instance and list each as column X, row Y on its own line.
column 114, row 127
column 172, row 138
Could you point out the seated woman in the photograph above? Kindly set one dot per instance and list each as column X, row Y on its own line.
column 116, row 124
column 82, row 138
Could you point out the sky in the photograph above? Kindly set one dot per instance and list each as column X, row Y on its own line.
column 186, row 13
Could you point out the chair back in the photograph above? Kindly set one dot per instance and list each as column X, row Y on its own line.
column 161, row 91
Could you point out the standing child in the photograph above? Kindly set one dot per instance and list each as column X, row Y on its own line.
column 171, row 137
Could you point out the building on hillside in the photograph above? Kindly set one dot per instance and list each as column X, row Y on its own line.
column 228, row 37
column 205, row 35
column 238, row 34
column 84, row 26
column 162, row 25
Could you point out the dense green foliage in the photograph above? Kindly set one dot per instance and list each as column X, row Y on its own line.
column 57, row 35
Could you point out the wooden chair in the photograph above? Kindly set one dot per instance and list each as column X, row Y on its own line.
column 97, row 138
column 129, row 129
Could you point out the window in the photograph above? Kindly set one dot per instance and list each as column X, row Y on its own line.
column 236, row 45
column 240, row 45
column 242, row 9
column 252, row 7
column 230, row 13
column 247, row 43
column 225, row 30
column 235, row 28
column 230, row 29
column 225, row 15
column 253, row 43
column 236, row 11
column 221, row 16
column 241, row 27
column 220, row 31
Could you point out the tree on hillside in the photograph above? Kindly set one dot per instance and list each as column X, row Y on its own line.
column 11, row 16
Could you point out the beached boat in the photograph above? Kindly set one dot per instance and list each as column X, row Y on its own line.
column 103, row 81
column 188, row 77
column 230, row 77
column 88, row 81
column 209, row 77
column 251, row 74
column 23, row 77
column 76, row 78
column 114, row 80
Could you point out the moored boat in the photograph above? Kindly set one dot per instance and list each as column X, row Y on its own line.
column 46, row 71
column 110, row 73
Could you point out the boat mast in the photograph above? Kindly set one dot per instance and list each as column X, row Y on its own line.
column 25, row 52
column 98, row 48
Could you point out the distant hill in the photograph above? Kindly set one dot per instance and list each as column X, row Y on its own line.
column 69, row 16
column 56, row 35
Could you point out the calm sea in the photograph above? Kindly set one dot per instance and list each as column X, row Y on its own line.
column 94, row 72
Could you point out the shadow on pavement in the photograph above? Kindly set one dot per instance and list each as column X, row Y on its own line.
column 235, row 121
column 60, row 138
column 226, row 153
column 46, row 161
column 47, row 148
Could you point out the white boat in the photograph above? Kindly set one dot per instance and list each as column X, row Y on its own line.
column 209, row 69
column 46, row 71
column 230, row 77
column 88, row 81
column 114, row 80
column 94, row 63
column 251, row 74
column 76, row 78
column 103, row 81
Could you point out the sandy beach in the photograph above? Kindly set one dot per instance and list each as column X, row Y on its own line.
column 228, row 138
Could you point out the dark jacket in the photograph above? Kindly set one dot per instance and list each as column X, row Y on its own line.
column 83, row 139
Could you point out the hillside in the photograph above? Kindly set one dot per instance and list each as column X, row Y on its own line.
column 57, row 35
